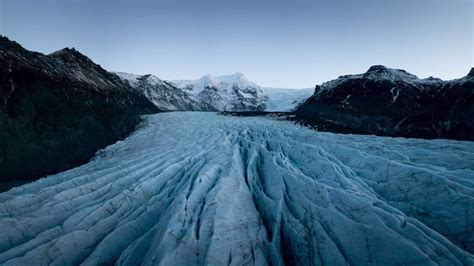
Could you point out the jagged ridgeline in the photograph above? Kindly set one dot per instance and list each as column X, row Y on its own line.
column 393, row 102
column 58, row 109
column 215, row 93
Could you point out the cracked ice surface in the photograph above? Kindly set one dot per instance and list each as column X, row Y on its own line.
column 195, row 188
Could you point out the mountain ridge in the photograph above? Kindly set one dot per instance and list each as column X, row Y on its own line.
column 163, row 94
column 235, row 92
column 393, row 102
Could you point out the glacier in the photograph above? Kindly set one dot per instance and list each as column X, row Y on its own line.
column 201, row 188
column 285, row 100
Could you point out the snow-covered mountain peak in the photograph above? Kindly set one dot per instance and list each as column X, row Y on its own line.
column 237, row 80
column 235, row 92
column 237, row 77
column 226, row 92
column 232, row 92
column 205, row 81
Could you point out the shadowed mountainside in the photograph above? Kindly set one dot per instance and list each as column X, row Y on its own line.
column 57, row 110
column 393, row 102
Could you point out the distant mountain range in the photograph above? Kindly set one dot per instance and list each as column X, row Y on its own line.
column 393, row 102
column 222, row 93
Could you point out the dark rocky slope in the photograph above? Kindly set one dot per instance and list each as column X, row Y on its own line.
column 392, row 102
column 58, row 109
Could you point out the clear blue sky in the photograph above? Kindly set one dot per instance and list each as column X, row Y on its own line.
column 274, row 43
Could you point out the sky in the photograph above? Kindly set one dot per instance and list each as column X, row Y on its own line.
column 287, row 44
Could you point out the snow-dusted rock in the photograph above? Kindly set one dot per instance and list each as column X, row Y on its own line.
column 393, row 102
column 222, row 93
column 195, row 188
column 236, row 93
column 226, row 93
column 163, row 94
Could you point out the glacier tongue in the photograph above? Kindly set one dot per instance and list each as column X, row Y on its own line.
column 195, row 188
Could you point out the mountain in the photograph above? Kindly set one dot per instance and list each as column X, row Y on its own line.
column 58, row 109
column 193, row 188
column 225, row 93
column 393, row 102
column 163, row 94
column 236, row 93
column 222, row 93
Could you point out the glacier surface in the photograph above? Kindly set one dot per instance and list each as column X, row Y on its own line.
column 196, row 188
